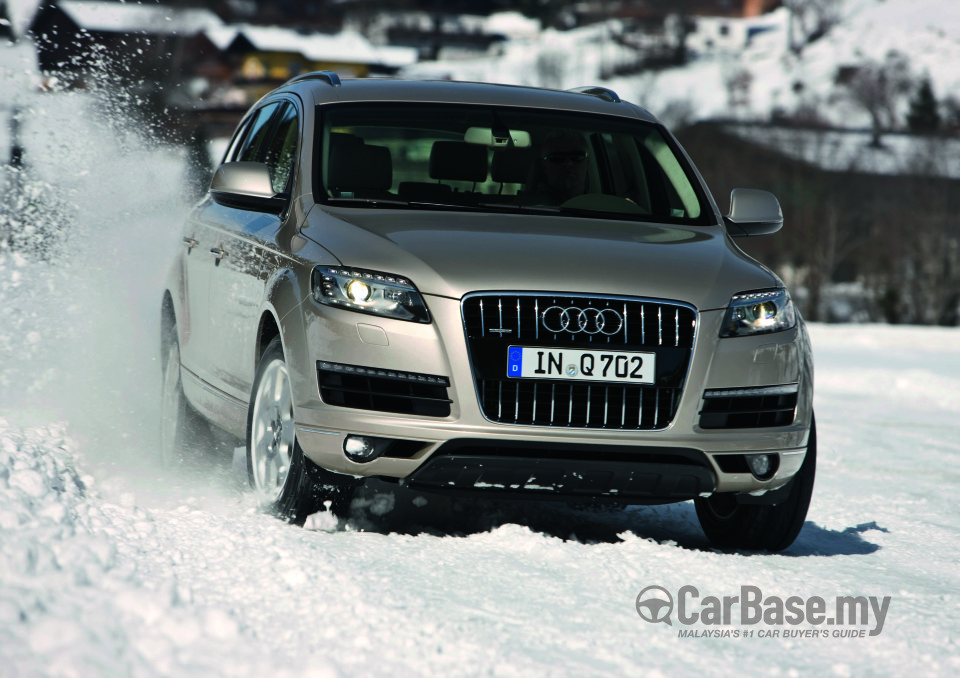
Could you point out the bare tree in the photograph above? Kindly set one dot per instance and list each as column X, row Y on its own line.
column 877, row 88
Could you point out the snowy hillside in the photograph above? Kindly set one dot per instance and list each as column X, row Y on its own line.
column 926, row 31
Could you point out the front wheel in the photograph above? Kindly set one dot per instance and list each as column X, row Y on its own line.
column 276, row 466
column 732, row 525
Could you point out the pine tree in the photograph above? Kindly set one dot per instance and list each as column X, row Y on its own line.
column 924, row 116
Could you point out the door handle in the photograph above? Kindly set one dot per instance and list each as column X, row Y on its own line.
column 218, row 253
column 190, row 243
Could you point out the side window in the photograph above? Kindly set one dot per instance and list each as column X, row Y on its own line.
column 257, row 131
column 281, row 150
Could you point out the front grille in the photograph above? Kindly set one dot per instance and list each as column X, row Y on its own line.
column 367, row 388
column 493, row 322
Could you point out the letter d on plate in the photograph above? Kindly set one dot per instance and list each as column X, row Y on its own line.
column 515, row 362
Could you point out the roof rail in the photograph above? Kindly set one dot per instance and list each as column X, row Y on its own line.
column 596, row 91
column 329, row 76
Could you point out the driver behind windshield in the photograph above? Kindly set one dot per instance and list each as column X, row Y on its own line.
column 564, row 163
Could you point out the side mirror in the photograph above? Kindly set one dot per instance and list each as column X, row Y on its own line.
column 753, row 212
column 246, row 186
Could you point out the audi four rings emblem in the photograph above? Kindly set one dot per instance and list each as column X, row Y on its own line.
column 589, row 320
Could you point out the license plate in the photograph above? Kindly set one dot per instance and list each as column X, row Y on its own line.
column 625, row 367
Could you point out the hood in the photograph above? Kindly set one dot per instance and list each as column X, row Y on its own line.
column 453, row 253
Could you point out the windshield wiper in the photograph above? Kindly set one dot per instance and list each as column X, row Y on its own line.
column 371, row 201
column 522, row 209
column 395, row 202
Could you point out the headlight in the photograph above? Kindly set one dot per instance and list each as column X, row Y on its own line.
column 759, row 312
column 369, row 292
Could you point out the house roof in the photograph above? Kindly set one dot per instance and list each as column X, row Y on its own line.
column 347, row 47
column 116, row 17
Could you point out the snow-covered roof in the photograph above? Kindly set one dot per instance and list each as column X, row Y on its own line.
column 396, row 57
column 222, row 36
column 514, row 25
column 345, row 47
column 121, row 17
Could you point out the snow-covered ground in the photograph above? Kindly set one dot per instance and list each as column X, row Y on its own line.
column 111, row 565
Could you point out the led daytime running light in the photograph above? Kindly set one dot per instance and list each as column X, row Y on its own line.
column 785, row 389
column 325, row 366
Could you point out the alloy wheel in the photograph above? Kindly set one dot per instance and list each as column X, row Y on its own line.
column 272, row 432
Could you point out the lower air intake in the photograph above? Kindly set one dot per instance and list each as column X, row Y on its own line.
column 367, row 388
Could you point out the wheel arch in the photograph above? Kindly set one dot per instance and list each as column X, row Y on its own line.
column 267, row 331
column 168, row 323
column 174, row 310
column 281, row 315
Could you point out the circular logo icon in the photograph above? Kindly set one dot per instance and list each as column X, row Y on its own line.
column 571, row 370
column 655, row 605
column 589, row 320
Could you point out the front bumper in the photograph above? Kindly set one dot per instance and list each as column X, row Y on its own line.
column 440, row 349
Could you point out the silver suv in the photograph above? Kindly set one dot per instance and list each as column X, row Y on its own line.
column 485, row 289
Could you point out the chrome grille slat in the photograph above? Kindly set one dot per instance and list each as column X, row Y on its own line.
column 640, row 413
column 626, row 324
column 606, row 405
column 516, row 405
column 536, row 312
column 587, row 422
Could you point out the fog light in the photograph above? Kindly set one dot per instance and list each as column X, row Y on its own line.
column 761, row 465
column 360, row 449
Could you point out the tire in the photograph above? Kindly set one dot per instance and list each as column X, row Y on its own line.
column 731, row 525
column 180, row 425
column 276, row 466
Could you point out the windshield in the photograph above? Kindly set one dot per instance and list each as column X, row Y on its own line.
column 504, row 159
